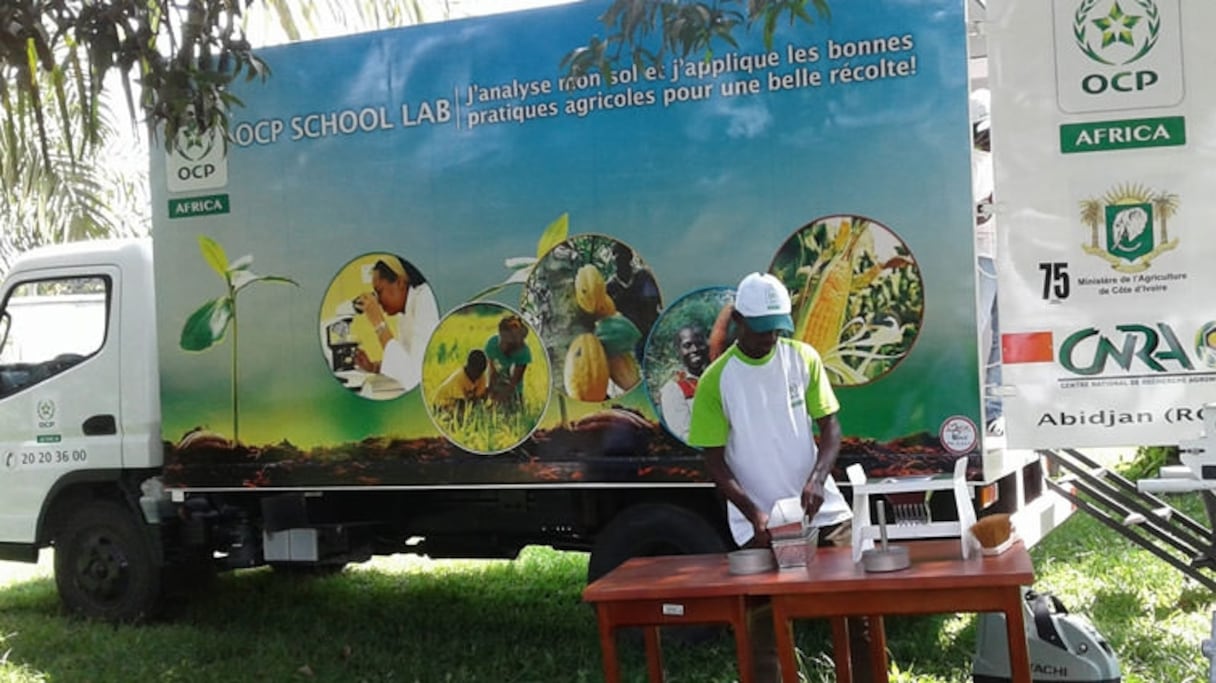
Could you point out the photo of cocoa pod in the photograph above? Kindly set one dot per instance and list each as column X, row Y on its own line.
column 592, row 300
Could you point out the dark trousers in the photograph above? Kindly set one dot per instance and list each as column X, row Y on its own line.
column 764, row 643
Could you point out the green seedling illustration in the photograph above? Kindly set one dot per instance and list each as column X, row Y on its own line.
column 521, row 267
column 207, row 325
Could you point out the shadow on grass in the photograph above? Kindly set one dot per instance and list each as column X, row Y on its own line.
column 498, row 621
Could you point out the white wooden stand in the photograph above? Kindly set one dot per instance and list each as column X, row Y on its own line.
column 865, row 530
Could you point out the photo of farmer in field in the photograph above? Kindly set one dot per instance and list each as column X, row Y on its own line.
column 593, row 300
column 857, row 295
column 485, row 378
column 678, row 351
column 509, row 357
column 465, row 385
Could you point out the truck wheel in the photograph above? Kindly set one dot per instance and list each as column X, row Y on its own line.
column 652, row 529
column 656, row 529
column 103, row 565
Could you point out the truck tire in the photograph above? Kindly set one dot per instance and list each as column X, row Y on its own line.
column 104, row 567
column 652, row 529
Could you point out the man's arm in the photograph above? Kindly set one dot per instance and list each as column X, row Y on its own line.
column 829, row 448
column 724, row 478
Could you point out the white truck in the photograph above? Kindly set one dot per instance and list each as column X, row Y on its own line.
column 428, row 297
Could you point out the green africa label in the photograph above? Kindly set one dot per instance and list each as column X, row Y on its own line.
column 1105, row 136
column 198, row 206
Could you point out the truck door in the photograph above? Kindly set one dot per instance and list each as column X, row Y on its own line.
column 59, row 388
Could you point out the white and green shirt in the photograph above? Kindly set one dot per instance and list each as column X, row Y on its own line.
column 762, row 411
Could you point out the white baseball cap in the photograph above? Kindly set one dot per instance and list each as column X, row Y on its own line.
column 764, row 302
column 981, row 105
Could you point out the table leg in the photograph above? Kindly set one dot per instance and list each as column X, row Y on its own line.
column 612, row 668
column 743, row 643
column 783, row 630
column 1015, row 635
column 841, row 654
column 878, row 648
column 654, row 654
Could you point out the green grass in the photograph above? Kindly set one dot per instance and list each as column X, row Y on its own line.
column 410, row 619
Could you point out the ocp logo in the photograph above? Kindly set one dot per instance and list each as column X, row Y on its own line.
column 1111, row 37
column 193, row 144
column 198, row 160
column 1118, row 54
column 45, row 414
column 46, row 410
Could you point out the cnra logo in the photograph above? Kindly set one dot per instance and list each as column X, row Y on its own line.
column 1205, row 344
column 1111, row 35
column 1133, row 346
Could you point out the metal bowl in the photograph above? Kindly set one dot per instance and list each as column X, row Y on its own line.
column 751, row 561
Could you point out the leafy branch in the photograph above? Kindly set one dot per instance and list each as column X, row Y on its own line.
column 647, row 32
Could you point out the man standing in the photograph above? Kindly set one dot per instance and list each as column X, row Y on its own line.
column 675, row 396
column 753, row 411
column 753, row 414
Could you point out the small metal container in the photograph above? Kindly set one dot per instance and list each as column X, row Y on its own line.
column 797, row 551
column 751, row 561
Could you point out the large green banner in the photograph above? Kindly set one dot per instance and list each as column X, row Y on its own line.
column 438, row 255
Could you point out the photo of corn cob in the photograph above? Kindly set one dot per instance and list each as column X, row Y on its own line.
column 592, row 300
column 857, row 295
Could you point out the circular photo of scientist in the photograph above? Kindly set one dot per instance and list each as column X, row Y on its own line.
column 593, row 300
column 692, row 331
column 857, row 295
column 485, row 378
column 375, row 320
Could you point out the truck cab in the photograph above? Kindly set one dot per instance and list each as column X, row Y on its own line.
column 79, row 411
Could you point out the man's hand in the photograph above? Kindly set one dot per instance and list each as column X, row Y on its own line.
column 364, row 363
column 760, row 535
column 812, row 496
column 370, row 305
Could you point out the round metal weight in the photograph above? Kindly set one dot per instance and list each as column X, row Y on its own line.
column 888, row 559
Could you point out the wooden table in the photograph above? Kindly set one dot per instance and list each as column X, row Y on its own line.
column 696, row 589
column 662, row 591
column 939, row 580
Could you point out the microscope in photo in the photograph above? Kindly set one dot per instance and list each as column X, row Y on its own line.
column 340, row 344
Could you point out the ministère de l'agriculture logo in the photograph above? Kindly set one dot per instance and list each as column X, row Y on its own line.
column 1129, row 226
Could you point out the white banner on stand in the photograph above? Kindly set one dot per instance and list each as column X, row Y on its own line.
column 1103, row 115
